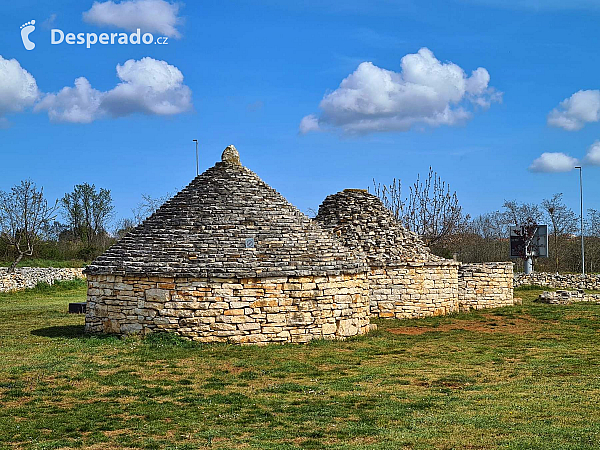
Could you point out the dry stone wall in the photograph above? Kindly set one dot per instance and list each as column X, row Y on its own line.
column 567, row 297
column 414, row 290
column 253, row 310
column 28, row 277
column 559, row 280
column 485, row 285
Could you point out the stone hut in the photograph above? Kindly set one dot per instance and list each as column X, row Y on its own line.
column 405, row 279
column 229, row 259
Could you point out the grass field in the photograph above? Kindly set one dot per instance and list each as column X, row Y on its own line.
column 36, row 262
column 519, row 377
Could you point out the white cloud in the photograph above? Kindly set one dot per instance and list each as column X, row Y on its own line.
column 577, row 110
column 18, row 89
column 79, row 104
column 553, row 162
column 149, row 15
column 148, row 86
column 425, row 91
column 49, row 22
column 592, row 157
column 308, row 124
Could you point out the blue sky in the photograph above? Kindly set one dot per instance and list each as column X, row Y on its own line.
column 253, row 70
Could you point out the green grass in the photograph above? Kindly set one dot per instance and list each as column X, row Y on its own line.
column 35, row 262
column 533, row 287
column 518, row 377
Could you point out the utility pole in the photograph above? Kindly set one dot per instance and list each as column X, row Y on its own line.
column 581, row 217
column 196, row 141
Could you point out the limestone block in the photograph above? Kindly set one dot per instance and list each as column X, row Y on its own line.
column 157, row 295
column 346, row 327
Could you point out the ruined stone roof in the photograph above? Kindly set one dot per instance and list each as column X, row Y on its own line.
column 363, row 223
column 203, row 230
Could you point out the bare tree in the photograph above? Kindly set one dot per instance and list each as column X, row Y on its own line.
column 148, row 206
column 521, row 213
column 593, row 222
column 492, row 225
column 145, row 208
column 433, row 211
column 24, row 213
column 563, row 222
column 391, row 197
column 88, row 211
column 592, row 243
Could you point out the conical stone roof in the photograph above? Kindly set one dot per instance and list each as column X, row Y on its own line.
column 364, row 224
column 206, row 230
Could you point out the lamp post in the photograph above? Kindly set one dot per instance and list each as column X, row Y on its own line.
column 196, row 141
column 581, row 218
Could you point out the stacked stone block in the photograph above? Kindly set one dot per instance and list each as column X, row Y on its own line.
column 228, row 259
column 414, row 290
column 29, row 277
column 406, row 280
column 245, row 311
column 559, row 280
column 485, row 285
column 567, row 297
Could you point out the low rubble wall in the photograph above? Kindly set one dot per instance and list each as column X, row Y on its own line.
column 28, row 277
column 559, row 280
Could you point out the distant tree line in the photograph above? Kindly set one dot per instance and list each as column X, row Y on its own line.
column 432, row 210
column 76, row 226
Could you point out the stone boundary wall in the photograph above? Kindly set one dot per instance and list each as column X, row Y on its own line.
column 559, row 280
column 567, row 297
column 414, row 290
column 485, row 285
column 252, row 310
column 28, row 277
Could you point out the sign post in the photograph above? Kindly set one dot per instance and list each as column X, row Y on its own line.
column 528, row 242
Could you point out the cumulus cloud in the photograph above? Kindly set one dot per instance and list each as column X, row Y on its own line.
column 148, row 86
column 149, row 15
column 553, row 162
column 592, row 157
column 425, row 91
column 309, row 123
column 577, row 110
column 18, row 89
column 78, row 104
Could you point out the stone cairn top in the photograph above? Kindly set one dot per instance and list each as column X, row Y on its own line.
column 363, row 223
column 228, row 223
column 231, row 156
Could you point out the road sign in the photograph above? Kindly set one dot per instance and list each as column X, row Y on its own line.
column 537, row 245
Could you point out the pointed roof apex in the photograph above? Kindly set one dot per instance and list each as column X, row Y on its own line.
column 228, row 223
column 231, row 156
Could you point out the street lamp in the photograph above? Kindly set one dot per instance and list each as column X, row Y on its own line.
column 581, row 217
column 196, row 141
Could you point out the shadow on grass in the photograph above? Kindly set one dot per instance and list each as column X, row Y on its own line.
column 66, row 331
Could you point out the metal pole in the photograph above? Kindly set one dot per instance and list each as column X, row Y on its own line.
column 528, row 265
column 581, row 218
column 196, row 141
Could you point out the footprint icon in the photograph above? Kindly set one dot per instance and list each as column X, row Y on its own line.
column 26, row 30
